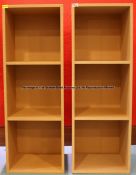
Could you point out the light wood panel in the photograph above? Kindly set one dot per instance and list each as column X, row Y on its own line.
column 34, row 116
column 102, row 54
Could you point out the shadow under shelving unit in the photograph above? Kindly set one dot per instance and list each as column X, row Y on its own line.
column 33, row 69
column 102, row 76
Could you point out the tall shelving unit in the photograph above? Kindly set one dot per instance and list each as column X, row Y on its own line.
column 34, row 113
column 102, row 61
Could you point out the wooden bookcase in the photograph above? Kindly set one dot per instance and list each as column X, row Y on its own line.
column 102, row 100
column 34, row 113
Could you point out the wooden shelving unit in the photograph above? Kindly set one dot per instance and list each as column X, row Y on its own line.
column 102, row 76
column 34, row 110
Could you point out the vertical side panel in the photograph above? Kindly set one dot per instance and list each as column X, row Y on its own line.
column 73, row 90
column 5, row 86
column 62, row 84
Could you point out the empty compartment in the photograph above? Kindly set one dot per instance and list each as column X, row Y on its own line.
column 32, row 34
column 102, row 33
column 34, row 91
column 102, row 91
column 101, row 147
column 34, row 147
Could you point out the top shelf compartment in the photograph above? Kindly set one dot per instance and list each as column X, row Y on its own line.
column 32, row 34
column 102, row 33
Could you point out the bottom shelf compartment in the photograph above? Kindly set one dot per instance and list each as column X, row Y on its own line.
column 34, row 147
column 100, row 163
column 49, row 163
column 101, row 147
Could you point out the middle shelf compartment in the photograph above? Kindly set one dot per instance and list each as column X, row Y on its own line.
column 102, row 91
column 33, row 92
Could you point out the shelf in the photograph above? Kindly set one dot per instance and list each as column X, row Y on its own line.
column 102, row 79
column 101, row 62
column 38, row 153
column 100, row 163
column 28, row 91
column 101, row 146
column 107, row 93
column 89, row 113
column 36, row 114
column 37, row 163
column 33, row 63
column 102, row 33
column 33, row 68
column 33, row 35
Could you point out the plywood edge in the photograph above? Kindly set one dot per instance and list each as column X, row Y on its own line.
column 61, row 171
column 62, row 84
column 99, row 118
column 5, row 84
column 104, row 4
column 73, row 84
column 126, row 171
column 102, row 62
column 39, row 118
column 62, row 57
column 32, row 5
column 130, row 87
column 33, row 63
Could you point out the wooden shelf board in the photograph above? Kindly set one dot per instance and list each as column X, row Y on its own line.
column 83, row 113
column 101, row 62
column 118, row 6
column 28, row 6
column 33, row 63
column 99, row 163
column 37, row 163
column 36, row 114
